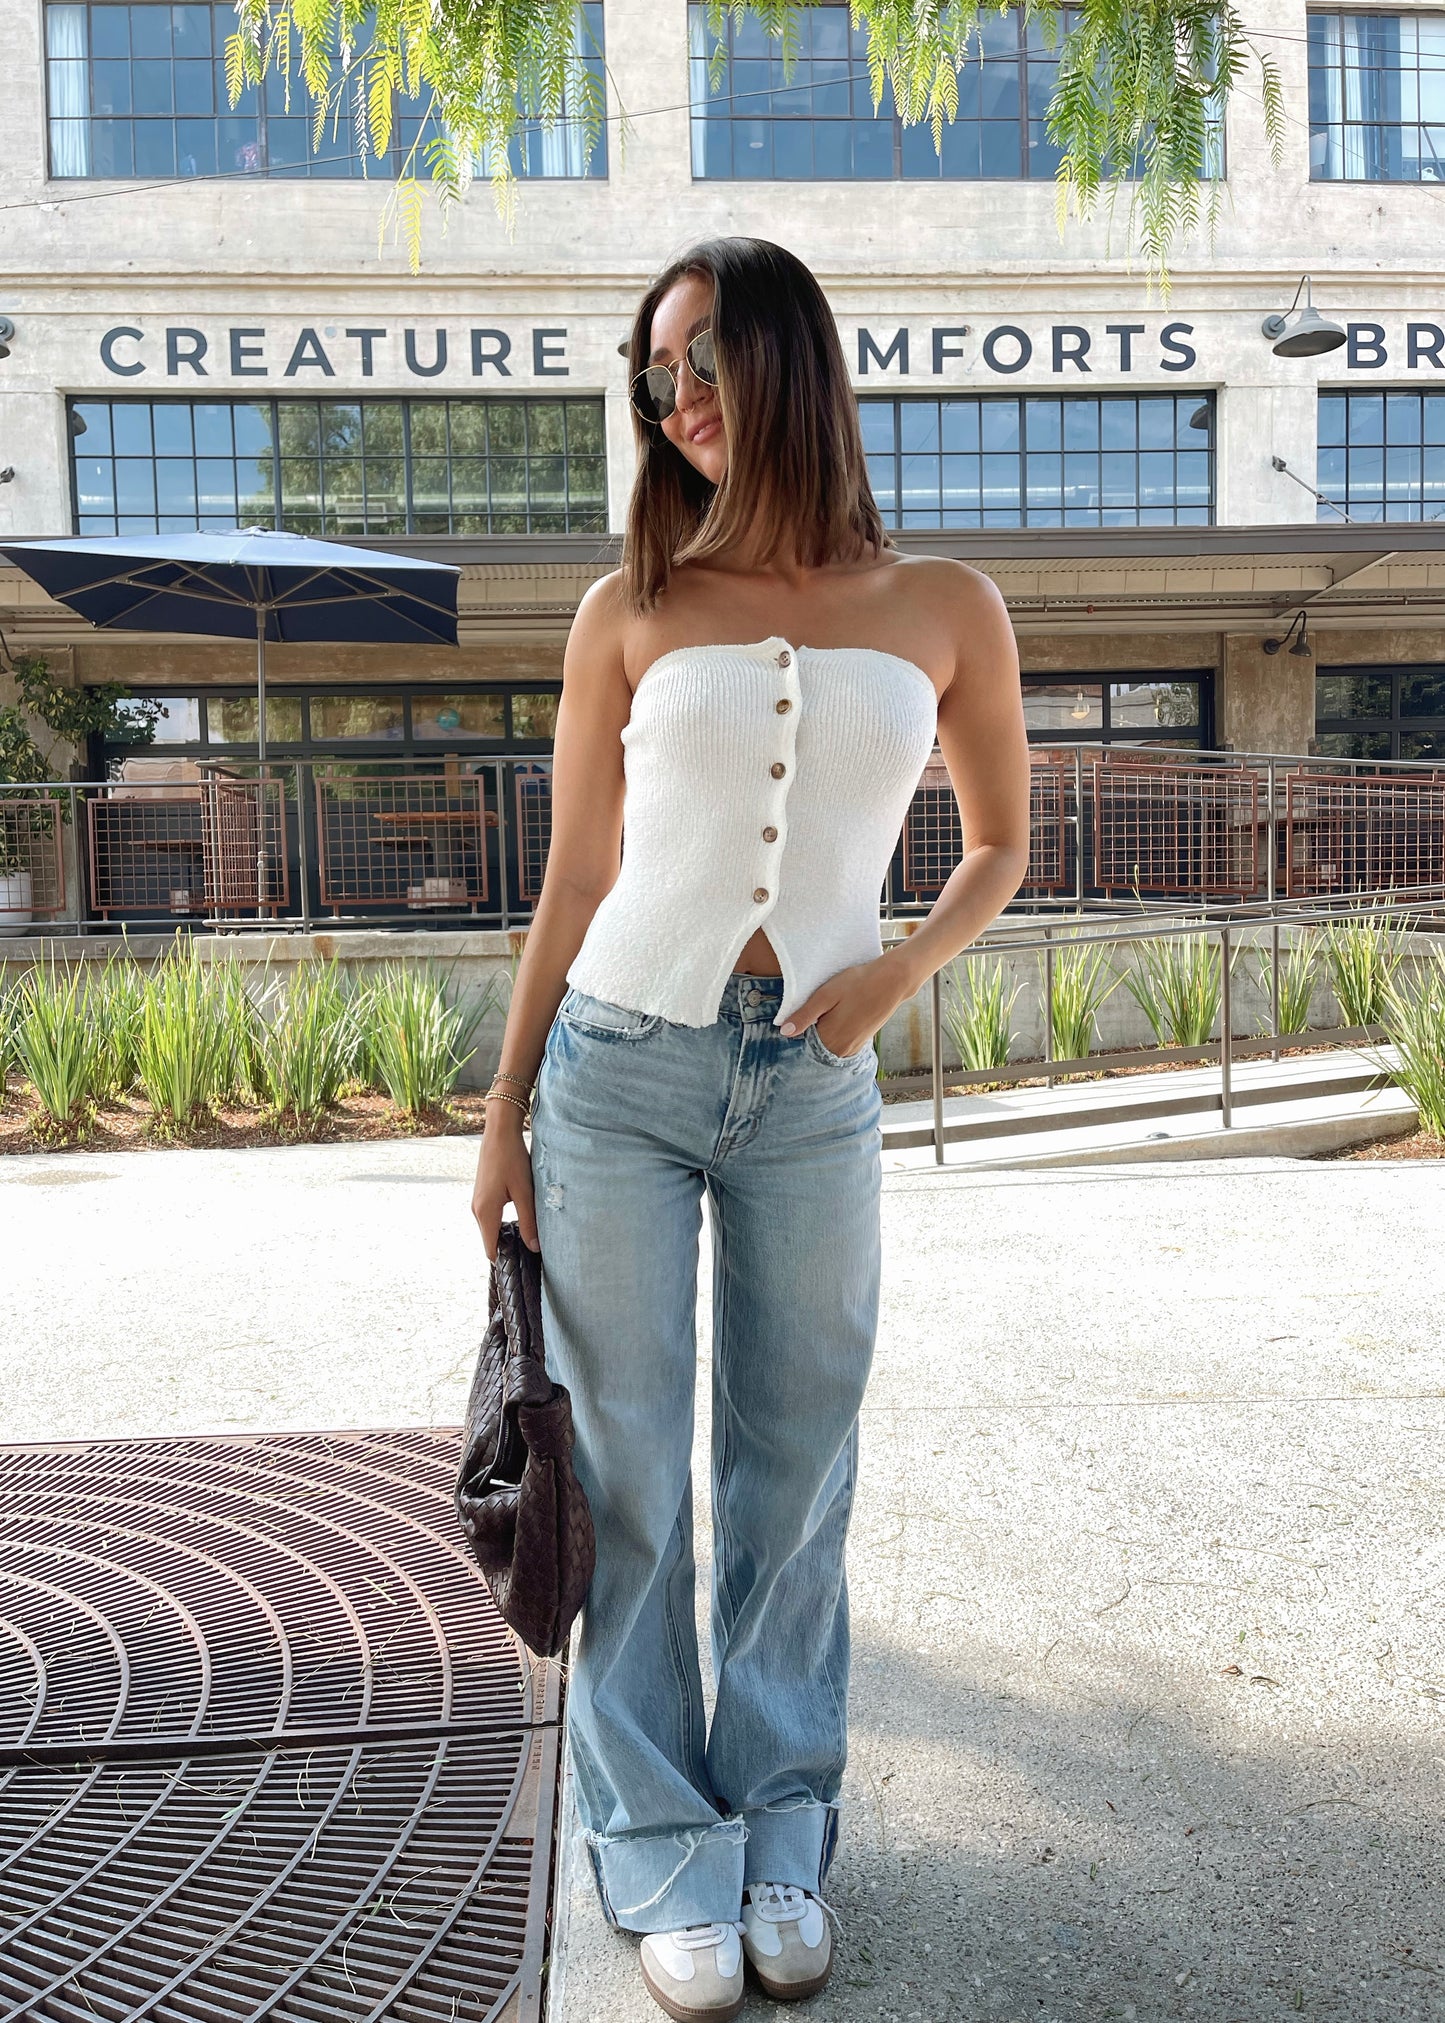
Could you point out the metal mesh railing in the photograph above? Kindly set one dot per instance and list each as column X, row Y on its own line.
column 532, row 786
column 216, row 847
column 463, row 836
column 1175, row 828
column 244, row 843
column 146, row 851
column 411, row 839
column 1362, row 832
column 32, row 862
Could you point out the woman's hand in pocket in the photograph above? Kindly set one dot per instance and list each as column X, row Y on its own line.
column 504, row 1173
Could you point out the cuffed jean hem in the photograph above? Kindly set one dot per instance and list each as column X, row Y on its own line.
column 659, row 1882
column 791, row 1842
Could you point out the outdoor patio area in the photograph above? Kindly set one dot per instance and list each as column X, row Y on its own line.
column 1145, row 1568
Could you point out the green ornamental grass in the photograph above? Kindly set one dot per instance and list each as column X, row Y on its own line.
column 309, row 1044
column 1362, row 957
column 1298, row 970
column 182, row 1048
column 415, row 1042
column 1176, row 982
column 59, row 1048
column 7, row 1038
column 1413, row 1015
column 116, row 996
column 976, row 1014
column 240, row 1077
column 1080, row 992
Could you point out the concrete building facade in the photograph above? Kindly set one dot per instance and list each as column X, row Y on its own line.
column 1142, row 476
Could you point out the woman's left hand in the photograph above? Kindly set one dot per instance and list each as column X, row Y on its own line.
column 855, row 1003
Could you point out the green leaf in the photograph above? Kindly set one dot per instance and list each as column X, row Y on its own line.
column 1140, row 94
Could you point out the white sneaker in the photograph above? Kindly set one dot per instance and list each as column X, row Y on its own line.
column 695, row 1973
column 786, row 1937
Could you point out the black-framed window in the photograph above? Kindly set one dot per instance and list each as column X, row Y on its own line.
column 1041, row 460
column 510, row 465
column 821, row 125
column 1381, row 455
column 140, row 90
column 1377, row 97
column 334, row 720
column 1168, row 707
column 1380, row 712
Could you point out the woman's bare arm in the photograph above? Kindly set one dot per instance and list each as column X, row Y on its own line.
column 583, row 860
column 984, row 743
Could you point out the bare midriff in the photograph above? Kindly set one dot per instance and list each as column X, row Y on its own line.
column 757, row 958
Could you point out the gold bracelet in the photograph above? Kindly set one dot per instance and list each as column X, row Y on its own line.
column 501, row 1096
column 505, row 1075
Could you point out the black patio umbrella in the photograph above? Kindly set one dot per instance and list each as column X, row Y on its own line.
column 252, row 582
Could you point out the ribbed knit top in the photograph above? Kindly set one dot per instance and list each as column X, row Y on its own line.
column 765, row 787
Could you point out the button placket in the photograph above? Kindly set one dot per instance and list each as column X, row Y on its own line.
column 785, row 708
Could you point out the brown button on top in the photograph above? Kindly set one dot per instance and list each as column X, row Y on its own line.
column 760, row 892
column 785, row 659
column 770, row 834
column 783, row 705
column 777, row 769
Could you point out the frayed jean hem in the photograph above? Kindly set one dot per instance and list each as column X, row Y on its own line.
column 790, row 1842
column 659, row 1882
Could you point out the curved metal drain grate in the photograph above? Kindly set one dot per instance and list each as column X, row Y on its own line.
column 266, row 1747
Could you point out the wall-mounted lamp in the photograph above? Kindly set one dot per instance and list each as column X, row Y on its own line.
column 7, row 475
column 1301, row 650
column 1201, row 417
column 1310, row 334
column 78, row 422
column 7, row 331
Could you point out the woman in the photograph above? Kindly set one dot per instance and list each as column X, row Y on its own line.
column 719, row 993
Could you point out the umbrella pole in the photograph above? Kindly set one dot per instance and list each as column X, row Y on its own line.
column 261, row 880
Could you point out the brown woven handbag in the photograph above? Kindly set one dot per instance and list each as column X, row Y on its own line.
column 518, row 1497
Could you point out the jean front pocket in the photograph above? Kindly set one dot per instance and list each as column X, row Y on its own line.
column 825, row 1054
column 599, row 1018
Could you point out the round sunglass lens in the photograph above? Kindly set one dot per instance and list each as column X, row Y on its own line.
column 653, row 394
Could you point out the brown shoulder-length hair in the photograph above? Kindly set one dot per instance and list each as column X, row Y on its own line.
column 795, row 463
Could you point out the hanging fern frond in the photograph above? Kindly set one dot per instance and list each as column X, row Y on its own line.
column 1138, row 103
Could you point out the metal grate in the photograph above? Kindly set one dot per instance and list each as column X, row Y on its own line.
column 147, row 851
column 933, row 830
column 187, row 848
column 30, row 849
column 387, row 839
column 1157, row 827
column 244, row 822
column 532, row 786
column 267, row 1749
column 1363, row 832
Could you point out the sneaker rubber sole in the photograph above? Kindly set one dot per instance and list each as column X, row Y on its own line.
column 681, row 2014
column 791, row 1991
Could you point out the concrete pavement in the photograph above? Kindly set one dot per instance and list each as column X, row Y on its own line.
column 1147, row 1571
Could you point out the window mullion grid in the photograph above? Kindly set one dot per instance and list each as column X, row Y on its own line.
column 407, row 499
column 1023, row 481
column 275, row 406
column 451, row 487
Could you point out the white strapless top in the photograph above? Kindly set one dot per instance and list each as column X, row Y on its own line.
column 765, row 787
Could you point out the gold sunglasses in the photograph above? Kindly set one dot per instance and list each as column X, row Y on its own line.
column 654, row 391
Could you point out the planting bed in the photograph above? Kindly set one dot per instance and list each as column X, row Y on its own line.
column 124, row 1125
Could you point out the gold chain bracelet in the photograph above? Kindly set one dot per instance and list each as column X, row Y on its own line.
column 503, row 1096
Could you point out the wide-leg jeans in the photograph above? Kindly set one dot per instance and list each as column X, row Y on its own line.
column 635, row 1117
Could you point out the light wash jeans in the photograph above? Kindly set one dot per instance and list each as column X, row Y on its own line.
column 633, row 1117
